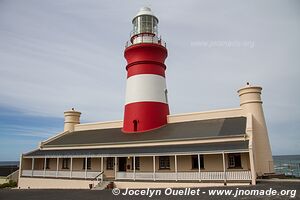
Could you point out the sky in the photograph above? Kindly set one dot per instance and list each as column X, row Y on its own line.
column 59, row 54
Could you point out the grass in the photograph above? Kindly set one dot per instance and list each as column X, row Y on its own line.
column 10, row 184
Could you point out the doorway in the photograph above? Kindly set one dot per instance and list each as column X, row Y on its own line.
column 122, row 164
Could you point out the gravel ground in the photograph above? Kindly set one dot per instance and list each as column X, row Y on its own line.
column 31, row 194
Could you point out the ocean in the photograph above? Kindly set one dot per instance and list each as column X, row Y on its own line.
column 9, row 163
column 287, row 164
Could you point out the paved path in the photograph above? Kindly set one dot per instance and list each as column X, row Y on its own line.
column 15, row 194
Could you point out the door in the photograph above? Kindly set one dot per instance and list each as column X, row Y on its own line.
column 122, row 164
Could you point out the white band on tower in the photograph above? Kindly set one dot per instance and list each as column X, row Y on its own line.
column 146, row 87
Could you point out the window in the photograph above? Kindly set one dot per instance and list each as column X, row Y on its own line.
column 65, row 163
column 195, row 162
column 135, row 26
column 137, row 163
column 234, row 161
column 155, row 22
column 164, row 162
column 89, row 163
column 47, row 163
column 110, row 163
column 146, row 24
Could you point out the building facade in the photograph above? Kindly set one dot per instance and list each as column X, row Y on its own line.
column 150, row 145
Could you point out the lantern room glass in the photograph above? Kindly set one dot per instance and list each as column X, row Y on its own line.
column 145, row 24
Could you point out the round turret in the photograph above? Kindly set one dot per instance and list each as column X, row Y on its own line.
column 251, row 103
column 72, row 118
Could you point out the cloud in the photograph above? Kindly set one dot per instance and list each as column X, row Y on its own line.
column 16, row 130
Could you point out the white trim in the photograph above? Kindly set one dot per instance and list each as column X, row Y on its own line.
column 175, row 161
column 57, row 164
column 102, row 163
column 199, row 167
column 205, row 115
column 116, row 162
column 45, row 161
column 224, row 167
column 71, row 167
column 154, row 168
column 85, row 168
column 134, row 168
column 208, row 112
column 145, row 87
column 98, row 125
column 32, row 166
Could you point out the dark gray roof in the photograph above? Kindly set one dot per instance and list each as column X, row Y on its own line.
column 168, row 149
column 190, row 130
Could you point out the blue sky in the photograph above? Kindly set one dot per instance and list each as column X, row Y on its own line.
column 55, row 55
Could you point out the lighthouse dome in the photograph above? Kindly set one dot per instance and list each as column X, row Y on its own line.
column 145, row 11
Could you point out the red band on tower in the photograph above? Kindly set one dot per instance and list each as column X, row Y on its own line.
column 145, row 68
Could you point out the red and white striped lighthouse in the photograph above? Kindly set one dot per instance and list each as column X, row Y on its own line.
column 146, row 105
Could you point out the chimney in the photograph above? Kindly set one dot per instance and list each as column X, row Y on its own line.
column 72, row 118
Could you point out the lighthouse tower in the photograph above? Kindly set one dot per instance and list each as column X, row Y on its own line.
column 146, row 105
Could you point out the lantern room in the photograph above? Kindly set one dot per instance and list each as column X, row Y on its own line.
column 145, row 22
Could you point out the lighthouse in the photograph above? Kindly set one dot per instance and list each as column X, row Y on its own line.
column 146, row 101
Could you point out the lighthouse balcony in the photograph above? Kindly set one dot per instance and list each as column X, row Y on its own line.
column 145, row 38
